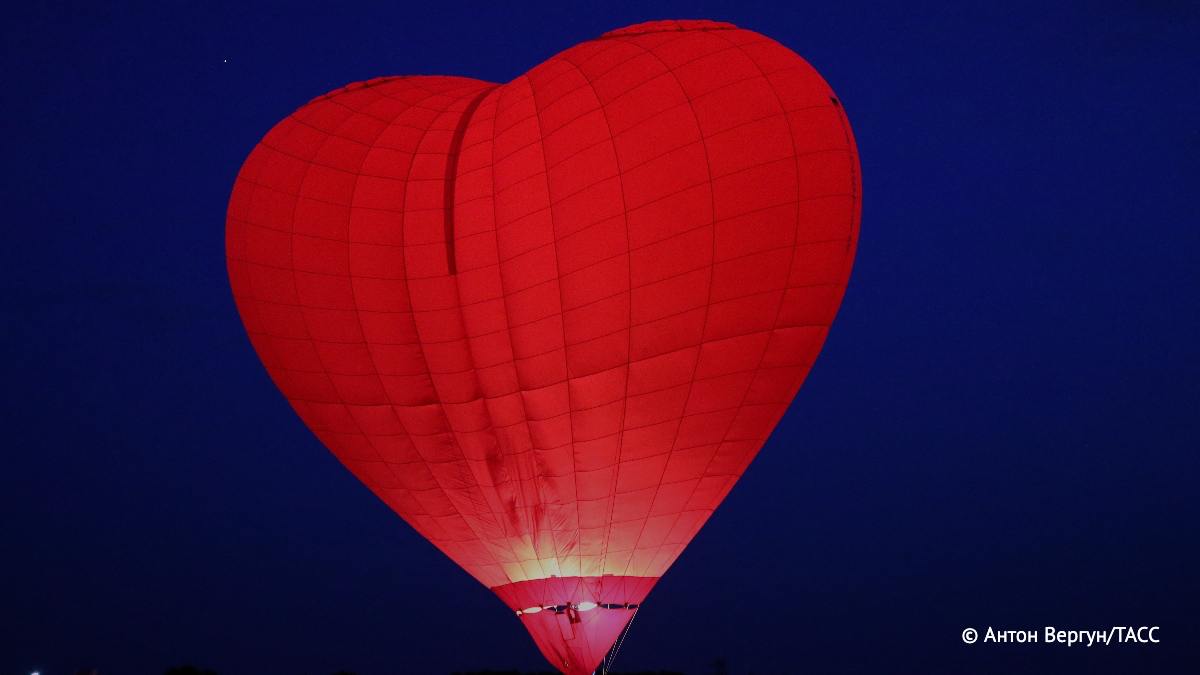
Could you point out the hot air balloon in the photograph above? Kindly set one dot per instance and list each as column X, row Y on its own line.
column 551, row 322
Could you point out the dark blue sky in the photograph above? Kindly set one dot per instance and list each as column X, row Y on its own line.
column 1002, row 429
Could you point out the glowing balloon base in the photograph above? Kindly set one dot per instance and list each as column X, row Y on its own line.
column 575, row 620
column 551, row 322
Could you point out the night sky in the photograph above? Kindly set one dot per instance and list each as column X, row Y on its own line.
column 1002, row 429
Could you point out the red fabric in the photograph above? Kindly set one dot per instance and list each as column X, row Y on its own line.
column 550, row 322
column 574, row 637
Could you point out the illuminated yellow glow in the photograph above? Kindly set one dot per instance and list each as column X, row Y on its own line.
column 530, row 610
column 585, row 606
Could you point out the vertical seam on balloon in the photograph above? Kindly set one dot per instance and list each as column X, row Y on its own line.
column 562, row 323
column 291, row 233
column 387, row 395
column 354, row 300
column 452, row 177
column 367, row 345
column 391, row 406
column 485, row 492
column 421, row 346
column 612, row 500
column 787, row 278
column 329, row 135
column 295, row 288
column 498, row 517
column 522, row 456
column 708, row 303
column 854, row 198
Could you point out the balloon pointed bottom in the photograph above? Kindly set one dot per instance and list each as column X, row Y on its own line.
column 576, row 620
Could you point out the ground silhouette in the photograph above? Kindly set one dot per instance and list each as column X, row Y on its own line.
column 551, row 672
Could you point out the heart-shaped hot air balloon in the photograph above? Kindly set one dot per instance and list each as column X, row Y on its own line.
column 550, row 322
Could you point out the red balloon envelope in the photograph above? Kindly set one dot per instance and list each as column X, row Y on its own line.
column 550, row 322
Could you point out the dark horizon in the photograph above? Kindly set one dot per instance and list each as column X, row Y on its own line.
column 1000, row 431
